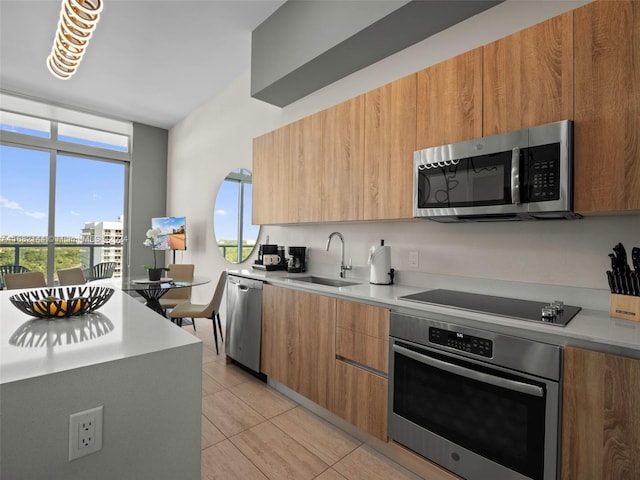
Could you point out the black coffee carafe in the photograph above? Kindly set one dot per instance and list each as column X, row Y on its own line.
column 297, row 259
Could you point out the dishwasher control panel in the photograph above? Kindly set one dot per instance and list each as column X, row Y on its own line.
column 461, row 341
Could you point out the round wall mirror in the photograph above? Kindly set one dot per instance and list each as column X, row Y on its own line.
column 235, row 234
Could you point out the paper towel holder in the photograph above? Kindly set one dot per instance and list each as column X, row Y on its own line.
column 381, row 272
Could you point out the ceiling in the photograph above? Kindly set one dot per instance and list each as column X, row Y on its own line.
column 149, row 61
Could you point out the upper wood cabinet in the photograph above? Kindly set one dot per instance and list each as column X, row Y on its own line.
column 601, row 416
column 271, row 175
column 339, row 144
column 528, row 77
column 390, row 140
column 607, row 111
column 449, row 97
column 305, row 188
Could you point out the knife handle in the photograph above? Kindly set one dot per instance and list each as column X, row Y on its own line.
column 635, row 259
column 610, row 280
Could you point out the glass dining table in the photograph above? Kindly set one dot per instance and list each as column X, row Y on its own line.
column 152, row 291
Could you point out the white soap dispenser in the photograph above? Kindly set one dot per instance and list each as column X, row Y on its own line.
column 381, row 272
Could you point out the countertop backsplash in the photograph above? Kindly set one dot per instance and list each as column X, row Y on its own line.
column 554, row 253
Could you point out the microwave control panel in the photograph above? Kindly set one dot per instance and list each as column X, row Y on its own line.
column 461, row 341
column 544, row 173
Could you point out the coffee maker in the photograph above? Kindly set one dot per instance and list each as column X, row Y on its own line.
column 297, row 259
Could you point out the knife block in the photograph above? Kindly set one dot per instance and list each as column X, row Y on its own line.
column 625, row 306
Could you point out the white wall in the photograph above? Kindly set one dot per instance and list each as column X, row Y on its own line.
column 217, row 137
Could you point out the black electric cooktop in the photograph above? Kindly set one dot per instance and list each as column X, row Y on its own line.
column 506, row 307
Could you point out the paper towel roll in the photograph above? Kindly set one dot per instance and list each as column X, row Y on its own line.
column 380, row 265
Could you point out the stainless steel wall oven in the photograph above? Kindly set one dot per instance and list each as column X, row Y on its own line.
column 481, row 404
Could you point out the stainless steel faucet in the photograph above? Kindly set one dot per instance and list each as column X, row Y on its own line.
column 343, row 267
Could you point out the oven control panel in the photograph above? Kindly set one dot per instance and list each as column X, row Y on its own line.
column 461, row 341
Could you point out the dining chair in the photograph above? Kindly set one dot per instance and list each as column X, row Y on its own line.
column 71, row 276
column 101, row 270
column 4, row 269
column 25, row 280
column 179, row 272
column 210, row 311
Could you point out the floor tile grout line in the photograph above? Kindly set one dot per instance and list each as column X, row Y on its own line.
column 244, row 430
column 323, row 421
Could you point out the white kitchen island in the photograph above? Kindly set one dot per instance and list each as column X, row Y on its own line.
column 143, row 370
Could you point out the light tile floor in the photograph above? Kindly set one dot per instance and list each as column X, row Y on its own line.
column 251, row 431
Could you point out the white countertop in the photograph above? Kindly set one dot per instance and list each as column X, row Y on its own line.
column 590, row 328
column 122, row 328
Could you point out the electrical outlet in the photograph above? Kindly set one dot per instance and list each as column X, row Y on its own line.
column 414, row 259
column 85, row 432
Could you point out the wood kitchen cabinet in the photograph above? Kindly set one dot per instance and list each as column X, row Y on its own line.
column 601, row 416
column 298, row 342
column 390, row 140
column 271, row 159
column 339, row 143
column 528, row 77
column 607, row 107
column 305, row 188
column 449, row 101
column 362, row 358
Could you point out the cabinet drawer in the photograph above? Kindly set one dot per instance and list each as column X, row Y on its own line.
column 365, row 319
column 361, row 399
column 368, row 351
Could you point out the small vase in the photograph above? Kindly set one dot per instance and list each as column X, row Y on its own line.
column 155, row 274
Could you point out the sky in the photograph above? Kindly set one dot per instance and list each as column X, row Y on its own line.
column 86, row 191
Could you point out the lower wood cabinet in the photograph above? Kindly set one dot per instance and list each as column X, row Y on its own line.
column 341, row 368
column 361, row 399
column 298, row 342
column 362, row 362
column 601, row 416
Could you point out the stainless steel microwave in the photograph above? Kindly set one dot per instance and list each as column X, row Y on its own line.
column 522, row 175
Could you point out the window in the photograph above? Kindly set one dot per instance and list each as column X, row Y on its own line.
column 13, row 122
column 62, row 200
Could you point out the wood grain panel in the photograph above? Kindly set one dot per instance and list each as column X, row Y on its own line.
column 270, row 201
column 449, row 97
column 272, row 344
column 361, row 399
column 366, row 319
column 369, row 351
column 607, row 117
column 528, row 77
column 298, row 341
column 305, row 195
column 390, row 140
column 340, row 139
column 601, row 416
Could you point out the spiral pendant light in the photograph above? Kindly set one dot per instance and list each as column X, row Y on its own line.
column 78, row 18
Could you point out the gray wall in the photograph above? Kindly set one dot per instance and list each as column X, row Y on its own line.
column 147, row 192
column 151, row 420
column 307, row 45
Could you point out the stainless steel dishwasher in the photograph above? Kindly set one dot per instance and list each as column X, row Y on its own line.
column 244, row 321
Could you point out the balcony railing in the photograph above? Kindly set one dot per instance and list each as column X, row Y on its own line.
column 66, row 255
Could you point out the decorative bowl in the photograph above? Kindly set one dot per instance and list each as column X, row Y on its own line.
column 61, row 301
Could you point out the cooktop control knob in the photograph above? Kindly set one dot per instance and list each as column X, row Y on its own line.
column 548, row 314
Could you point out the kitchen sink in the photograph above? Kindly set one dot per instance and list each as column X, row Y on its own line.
column 331, row 282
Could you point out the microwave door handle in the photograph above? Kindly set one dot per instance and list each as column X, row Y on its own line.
column 515, row 176
column 472, row 374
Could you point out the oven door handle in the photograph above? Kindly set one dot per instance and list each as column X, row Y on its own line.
column 521, row 387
